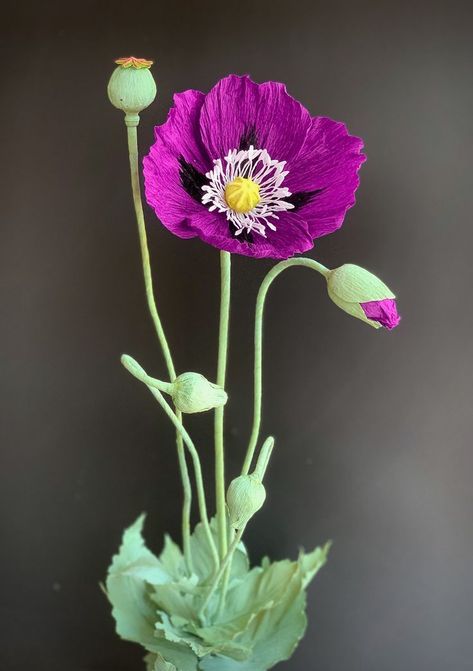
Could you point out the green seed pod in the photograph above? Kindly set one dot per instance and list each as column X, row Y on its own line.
column 245, row 496
column 132, row 87
column 192, row 392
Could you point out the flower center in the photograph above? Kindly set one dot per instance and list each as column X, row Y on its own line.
column 242, row 194
column 247, row 186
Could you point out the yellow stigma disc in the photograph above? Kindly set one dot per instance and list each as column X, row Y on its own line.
column 242, row 195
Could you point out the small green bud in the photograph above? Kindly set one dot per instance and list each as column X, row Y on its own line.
column 192, row 392
column 245, row 496
column 132, row 87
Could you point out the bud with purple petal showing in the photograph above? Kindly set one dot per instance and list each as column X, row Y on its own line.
column 363, row 295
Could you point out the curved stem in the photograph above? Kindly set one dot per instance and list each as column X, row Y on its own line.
column 137, row 371
column 136, row 189
column 133, row 369
column 225, row 281
column 140, row 220
column 258, row 364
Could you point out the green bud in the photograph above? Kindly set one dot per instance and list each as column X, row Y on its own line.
column 349, row 286
column 192, row 392
column 132, row 87
column 245, row 496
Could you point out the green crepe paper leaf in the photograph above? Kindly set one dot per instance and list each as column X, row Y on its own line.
column 261, row 589
column 158, row 663
column 181, row 637
column 130, row 575
column 133, row 574
column 277, row 633
column 275, row 620
column 161, row 665
column 202, row 559
column 170, row 599
column 149, row 661
column 354, row 284
column 312, row 563
column 172, row 559
column 186, row 634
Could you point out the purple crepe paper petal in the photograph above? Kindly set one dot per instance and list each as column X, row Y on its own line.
column 384, row 312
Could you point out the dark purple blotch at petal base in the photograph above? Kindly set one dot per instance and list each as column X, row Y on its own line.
column 383, row 312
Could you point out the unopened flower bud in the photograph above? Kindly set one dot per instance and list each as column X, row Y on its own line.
column 192, row 392
column 132, row 87
column 245, row 496
column 363, row 295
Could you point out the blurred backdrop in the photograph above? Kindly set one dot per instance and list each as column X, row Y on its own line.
column 373, row 429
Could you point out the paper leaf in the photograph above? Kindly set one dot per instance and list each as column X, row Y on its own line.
column 155, row 662
column 312, row 563
column 132, row 571
column 202, row 558
column 172, row 558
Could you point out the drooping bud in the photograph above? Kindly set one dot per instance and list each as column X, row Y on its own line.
column 363, row 295
column 132, row 87
column 192, row 392
column 245, row 496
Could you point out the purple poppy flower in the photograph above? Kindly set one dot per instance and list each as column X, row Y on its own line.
column 384, row 312
column 248, row 170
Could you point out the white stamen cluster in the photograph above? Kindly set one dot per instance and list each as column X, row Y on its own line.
column 256, row 165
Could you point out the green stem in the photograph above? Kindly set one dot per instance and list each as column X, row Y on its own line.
column 258, row 363
column 223, row 567
column 137, row 371
column 136, row 189
column 225, row 281
column 260, row 471
column 133, row 367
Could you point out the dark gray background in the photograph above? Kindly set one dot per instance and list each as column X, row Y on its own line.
column 373, row 429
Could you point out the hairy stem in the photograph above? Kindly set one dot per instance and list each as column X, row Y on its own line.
column 136, row 189
column 223, row 567
column 260, row 471
column 225, row 281
column 133, row 367
column 258, row 362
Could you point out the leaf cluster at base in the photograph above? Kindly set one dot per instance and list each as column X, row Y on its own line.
column 156, row 602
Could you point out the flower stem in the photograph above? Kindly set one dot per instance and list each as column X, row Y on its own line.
column 225, row 281
column 136, row 190
column 223, row 566
column 258, row 362
column 137, row 371
column 259, row 471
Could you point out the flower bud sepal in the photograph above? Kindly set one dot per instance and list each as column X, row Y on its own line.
column 363, row 295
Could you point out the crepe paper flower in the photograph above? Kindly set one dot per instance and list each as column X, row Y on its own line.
column 363, row 295
column 132, row 62
column 383, row 312
column 132, row 87
column 248, row 170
